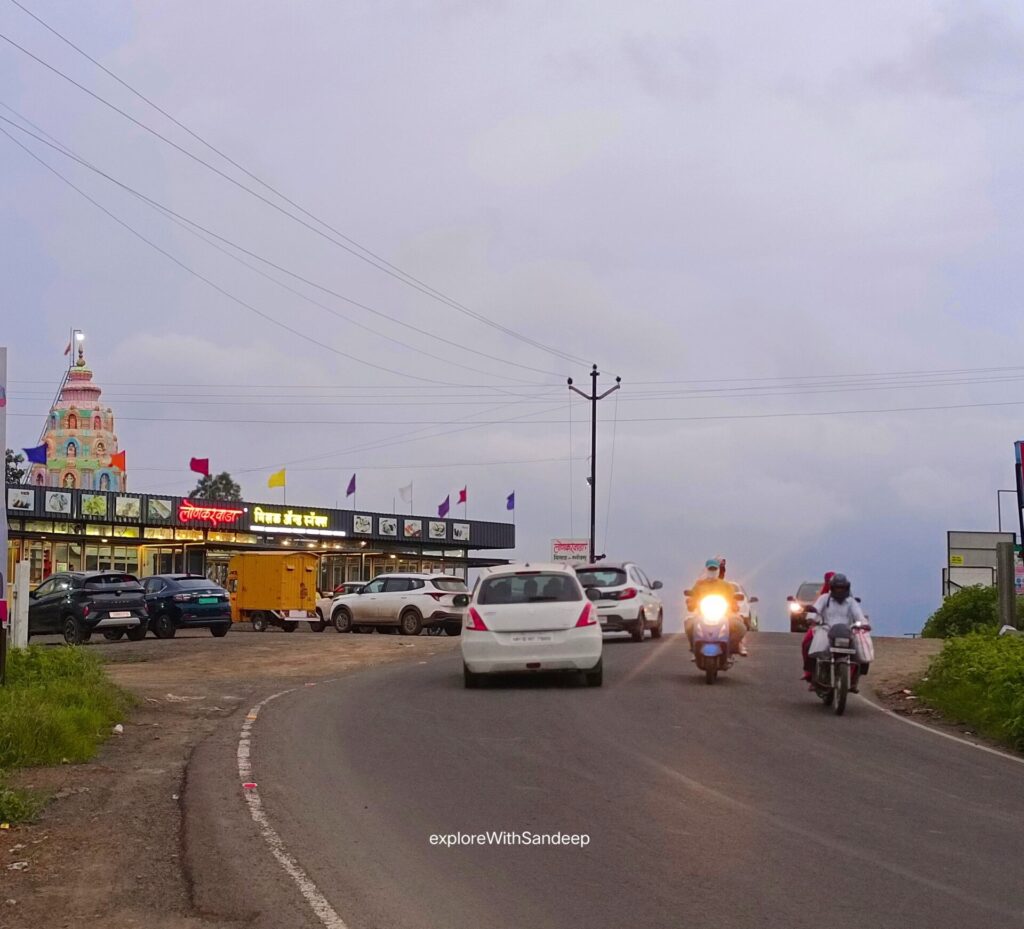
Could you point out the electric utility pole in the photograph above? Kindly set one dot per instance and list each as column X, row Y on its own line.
column 593, row 397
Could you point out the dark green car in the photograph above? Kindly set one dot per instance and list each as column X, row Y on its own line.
column 186, row 601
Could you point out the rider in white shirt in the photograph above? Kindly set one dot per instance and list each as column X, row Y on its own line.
column 838, row 608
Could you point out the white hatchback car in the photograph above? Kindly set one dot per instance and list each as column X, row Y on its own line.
column 532, row 617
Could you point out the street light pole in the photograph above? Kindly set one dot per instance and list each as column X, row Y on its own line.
column 593, row 397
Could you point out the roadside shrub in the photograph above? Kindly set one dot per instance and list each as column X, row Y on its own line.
column 972, row 609
column 58, row 706
column 978, row 679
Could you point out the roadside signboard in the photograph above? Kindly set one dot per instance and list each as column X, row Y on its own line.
column 971, row 559
column 570, row 551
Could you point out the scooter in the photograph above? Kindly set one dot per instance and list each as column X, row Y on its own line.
column 711, row 650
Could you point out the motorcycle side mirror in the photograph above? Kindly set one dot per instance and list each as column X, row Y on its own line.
column 593, row 594
column 755, row 599
column 857, row 599
column 687, row 593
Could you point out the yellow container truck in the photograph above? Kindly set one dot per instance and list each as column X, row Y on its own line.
column 273, row 589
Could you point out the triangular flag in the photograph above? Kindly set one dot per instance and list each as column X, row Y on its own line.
column 277, row 479
column 510, row 503
column 351, row 487
column 67, row 351
column 406, row 493
column 462, row 495
column 36, row 455
column 117, row 461
column 200, row 466
column 445, row 506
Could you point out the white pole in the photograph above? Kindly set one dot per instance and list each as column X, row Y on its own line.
column 19, row 629
column 4, row 579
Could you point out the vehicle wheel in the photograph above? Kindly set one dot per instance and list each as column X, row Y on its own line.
column 638, row 628
column 453, row 628
column 163, row 627
column 365, row 630
column 342, row 620
column 435, row 630
column 409, row 623
column 595, row 675
column 659, row 628
column 259, row 622
column 710, row 673
column 218, row 632
column 74, row 632
column 114, row 635
column 471, row 680
column 138, row 633
column 842, row 689
column 318, row 625
column 289, row 627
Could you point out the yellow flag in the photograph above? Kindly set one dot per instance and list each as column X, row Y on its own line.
column 277, row 479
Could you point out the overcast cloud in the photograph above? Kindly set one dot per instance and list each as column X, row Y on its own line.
column 678, row 191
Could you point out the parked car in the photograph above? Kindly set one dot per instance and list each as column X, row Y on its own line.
column 407, row 603
column 531, row 618
column 806, row 595
column 324, row 602
column 629, row 601
column 79, row 603
column 186, row 601
column 745, row 608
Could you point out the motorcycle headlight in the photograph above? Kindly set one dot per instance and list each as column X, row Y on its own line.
column 713, row 608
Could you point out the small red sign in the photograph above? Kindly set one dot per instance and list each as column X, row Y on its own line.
column 190, row 511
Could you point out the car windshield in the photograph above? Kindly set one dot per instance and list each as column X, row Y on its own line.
column 808, row 593
column 453, row 585
column 196, row 583
column 104, row 579
column 529, row 588
column 602, row 577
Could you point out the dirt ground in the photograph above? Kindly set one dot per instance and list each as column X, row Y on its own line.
column 107, row 850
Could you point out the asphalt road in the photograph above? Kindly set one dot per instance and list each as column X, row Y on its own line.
column 745, row 804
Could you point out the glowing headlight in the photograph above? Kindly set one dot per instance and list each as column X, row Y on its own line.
column 713, row 608
column 795, row 607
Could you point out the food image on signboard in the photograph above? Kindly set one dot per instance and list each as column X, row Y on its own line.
column 413, row 528
column 460, row 532
column 21, row 499
column 94, row 505
column 127, row 507
column 438, row 530
column 158, row 508
column 58, row 501
column 362, row 524
column 388, row 526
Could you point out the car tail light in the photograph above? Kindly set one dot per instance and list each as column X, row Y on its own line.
column 628, row 594
column 85, row 610
column 436, row 594
column 182, row 598
column 587, row 617
column 474, row 621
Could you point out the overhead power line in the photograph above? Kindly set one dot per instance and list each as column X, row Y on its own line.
column 337, row 238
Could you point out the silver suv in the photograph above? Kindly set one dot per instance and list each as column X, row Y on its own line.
column 407, row 603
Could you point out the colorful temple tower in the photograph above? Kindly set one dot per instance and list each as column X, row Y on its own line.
column 81, row 447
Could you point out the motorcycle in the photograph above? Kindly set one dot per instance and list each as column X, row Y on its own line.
column 711, row 648
column 837, row 663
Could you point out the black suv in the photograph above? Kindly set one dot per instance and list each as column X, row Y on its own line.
column 79, row 603
column 186, row 601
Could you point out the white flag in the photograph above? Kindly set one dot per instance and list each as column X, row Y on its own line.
column 406, row 493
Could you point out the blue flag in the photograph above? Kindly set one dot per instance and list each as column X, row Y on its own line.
column 36, row 455
column 510, row 503
column 442, row 510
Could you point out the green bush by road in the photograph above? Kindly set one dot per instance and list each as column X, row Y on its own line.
column 58, row 706
column 978, row 679
column 972, row 609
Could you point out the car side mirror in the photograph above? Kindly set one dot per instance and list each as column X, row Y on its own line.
column 32, row 595
column 593, row 594
column 755, row 599
column 791, row 599
column 461, row 601
column 657, row 585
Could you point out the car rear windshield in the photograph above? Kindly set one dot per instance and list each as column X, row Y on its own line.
column 104, row 580
column 808, row 593
column 453, row 585
column 196, row 583
column 602, row 577
column 529, row 588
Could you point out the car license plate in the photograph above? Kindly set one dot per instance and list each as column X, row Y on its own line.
column 530, row 639
column 121, row 614
column 207, row 599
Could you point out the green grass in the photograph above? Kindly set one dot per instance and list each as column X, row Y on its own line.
column 57, row 707
column 978, row 679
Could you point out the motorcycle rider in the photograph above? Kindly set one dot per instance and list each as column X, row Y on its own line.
column 837, row 606
column 712, row 582
column 809, row 635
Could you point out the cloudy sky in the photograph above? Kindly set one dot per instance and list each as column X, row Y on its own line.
column 793, row 229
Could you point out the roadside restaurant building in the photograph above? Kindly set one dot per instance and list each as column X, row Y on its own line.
column 64, row 529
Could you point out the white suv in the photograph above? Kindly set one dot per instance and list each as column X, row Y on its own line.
column 629, row 602
column 406, row 602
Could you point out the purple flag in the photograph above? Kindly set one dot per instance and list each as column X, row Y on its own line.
column 510, row 503
column 442, row 510
column 351, row 487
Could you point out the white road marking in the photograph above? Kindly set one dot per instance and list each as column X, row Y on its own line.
column 310, row 892
column 940, row 733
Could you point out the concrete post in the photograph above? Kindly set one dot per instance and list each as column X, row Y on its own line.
column 19, row 621
column 1005, row 582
